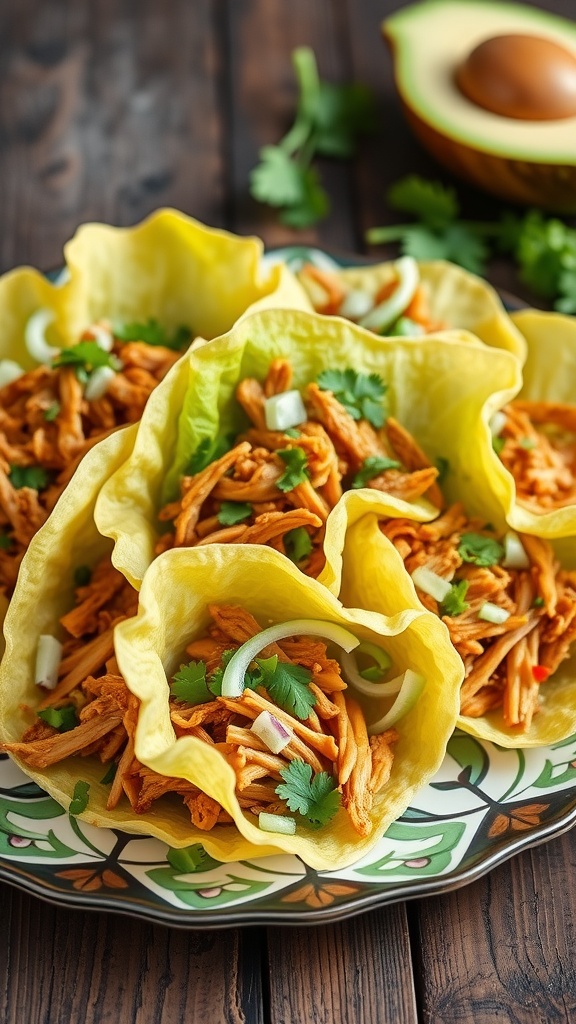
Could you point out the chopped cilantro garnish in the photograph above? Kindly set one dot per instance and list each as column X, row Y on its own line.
column 498, row 444
column 215, row 680
column 232, row 512
column 296, row 468
column 371, row 467
column 210, row 449
column 52, row 412
column 527, row 443
column 292, row 432
column 152, row 333
column 443, row 467
column 287, row 684
column 5, row 541
column 110, row 774
column 538, row 602
column 479, row 550
column 454, row 603
column 297, row 544
column 189, row 683
column 85, row 357
column 28, row 476
column 79, row 800
column 315, row 798
column 62, row 719
column 82, row 575
column 361, row 394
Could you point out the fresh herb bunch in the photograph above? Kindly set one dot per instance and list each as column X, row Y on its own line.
column 329, row 118
column 544, row 248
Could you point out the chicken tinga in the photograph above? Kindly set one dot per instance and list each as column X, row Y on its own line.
column 536, row 442
column 52, row 415
column 509, row 607
column 277, row 481
column 278, row 711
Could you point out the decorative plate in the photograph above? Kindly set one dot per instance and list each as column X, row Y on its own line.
column 484, row 805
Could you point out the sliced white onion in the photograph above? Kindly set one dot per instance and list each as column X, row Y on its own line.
column 356, row 304
column 411, row 685
column 272, row 732
column 431, row 583
column 515, row 556
column 493, row 613
column 98, row 383
column 284, row 410
column 48, row 657
column 35, row 336
column 280, row 823
column 9, row 371
column 497, row 423
column 386, row 312
column 233, row 678
column 102, row 336
column 353, row 677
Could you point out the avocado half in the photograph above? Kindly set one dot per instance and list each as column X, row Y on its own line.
column 526, row 161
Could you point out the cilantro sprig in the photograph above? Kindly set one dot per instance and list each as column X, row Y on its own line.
column 480, row 550
column 85, row 357
column 287, row 685
column 152, row 333
column 373, row 466
column 208, row 450
column 232, row 512
column 296, row 471
column 298, row 544
column 29, row 476
column 80, row 797
column 361, row 394
column 329, row 118
column 316, row 797
column 544, row 248
column 454, row 603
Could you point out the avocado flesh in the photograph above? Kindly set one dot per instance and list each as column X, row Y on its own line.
column 430, row 40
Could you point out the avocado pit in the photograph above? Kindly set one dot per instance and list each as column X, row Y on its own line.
column 526, row 77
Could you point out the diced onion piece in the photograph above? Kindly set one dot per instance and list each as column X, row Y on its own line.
column 48, row 657
column 386, row 312
column 9, row 371
column 411, row 685
column 404, row 327
column 99, row 383
column 352, row 676
column 493, row 613
column 102, row 336
column 280, row 823
column 35, row 336
column 515, row 556
column 284, row 410
column 355, row 304
column 431, row 583
column 233, row 678
column 497, row 423
column 271, row 731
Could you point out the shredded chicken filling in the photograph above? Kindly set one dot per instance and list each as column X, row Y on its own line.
column 537, row 445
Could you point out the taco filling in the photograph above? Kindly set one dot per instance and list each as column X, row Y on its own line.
column 277, row 481
column 509, row 607
column 536, row 442
column 52, row 415
column 297, row 742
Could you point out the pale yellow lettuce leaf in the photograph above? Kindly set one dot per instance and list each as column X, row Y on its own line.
column 23, row 292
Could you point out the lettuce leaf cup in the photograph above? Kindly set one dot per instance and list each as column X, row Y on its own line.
column 534, row 436
column 201, row 424
column 260, row 585
column 406, row 297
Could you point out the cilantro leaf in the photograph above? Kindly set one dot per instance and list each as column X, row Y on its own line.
column 313, row 205
column 361, row 394
column 277, row 180
column 52, row 412
column 287, row 684
column 5, row 541
column 498, row 444
column 79, row 800
column 315, row 798
column 371, row 467
column 298, row 544
column 296, row 471
column 454, row 603
column 62, row 719
column 189, row 683
column 434, row 204
column 28, row 476
column 110, row 774
column 480, row 550
column 342, row 113
column 209, row 449
column 232, row 512
column 82, row 576
column 152, row 333
column 215, row 681
column 86, row 355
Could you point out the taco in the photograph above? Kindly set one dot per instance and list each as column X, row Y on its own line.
column 209, row 466
column 413, row 299
column 534, row 436
column 194, row 761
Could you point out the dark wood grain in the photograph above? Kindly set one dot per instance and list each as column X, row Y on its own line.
column 503, row 949
column 71, row 967
column 357, row 972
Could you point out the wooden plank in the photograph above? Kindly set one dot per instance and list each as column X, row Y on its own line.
column 107, row 111
column 503, row 949
column 350, row 973
column 69, row 967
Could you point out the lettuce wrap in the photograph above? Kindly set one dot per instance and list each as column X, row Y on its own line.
column 534, row 474
column 443, row 296
column 435, row 391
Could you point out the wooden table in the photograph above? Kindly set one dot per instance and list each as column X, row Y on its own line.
column 107, row 111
